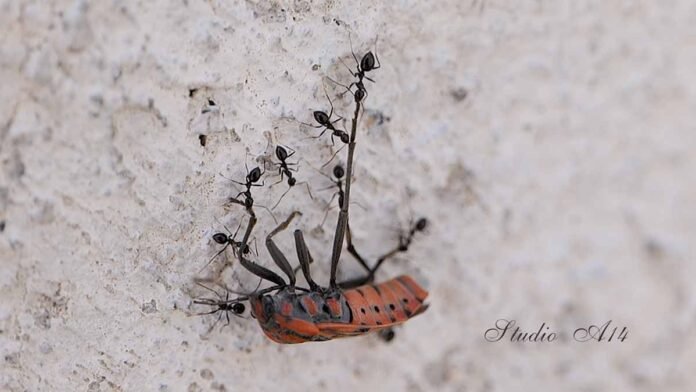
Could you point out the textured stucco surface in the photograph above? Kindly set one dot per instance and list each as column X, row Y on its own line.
column 551, row 145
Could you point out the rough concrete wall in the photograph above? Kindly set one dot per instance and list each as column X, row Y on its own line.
column 550, row 144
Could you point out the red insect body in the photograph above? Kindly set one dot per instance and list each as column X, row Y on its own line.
column 297, row 317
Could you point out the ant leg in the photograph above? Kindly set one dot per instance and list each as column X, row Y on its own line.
column 320, row 135
column 305, row 259
column 353, row 53
column 277, row 182
column 238, row 183
column 328, row 208
column 278, row 256
column 333, row 156
column 330, row 103
column 281, row 198
column 343, row 85
column 209, row 289
column 379, row 65
column 346, row 65
column 214, row 257
column 309, row 191
column 256, row 250
column 309, row 125
column 269, row 211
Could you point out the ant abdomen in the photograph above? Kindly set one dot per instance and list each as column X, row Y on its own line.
column 281, row 153
column 339, row 172
column 322, row 118
column 367, row 63
column 220, row 238
column 254, row 175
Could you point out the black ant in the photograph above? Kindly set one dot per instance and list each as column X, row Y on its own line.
column 229, row 240
column 226, row 306
column 284, row 169
column 369, row 62
column 251, row 180
column 324, row 121
column 338, row 173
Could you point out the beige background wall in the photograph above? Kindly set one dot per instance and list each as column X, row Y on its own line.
column 551, row 145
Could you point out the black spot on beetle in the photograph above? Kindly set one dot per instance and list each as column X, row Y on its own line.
column 408, row 312
column 363, row 330
column 379, row 323
column 392, row 318
column 392, row 307
column 376, row 308
column 362, row 310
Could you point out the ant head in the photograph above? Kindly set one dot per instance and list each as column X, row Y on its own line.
column 368, row 62
column 220, row 238
column 254, row 175
column 339, row 172
column 238, row 308
column 322, row 118
column 421, row 224
column 281, row 153
column 359, row 95
column 292, row 181
column 344, row 138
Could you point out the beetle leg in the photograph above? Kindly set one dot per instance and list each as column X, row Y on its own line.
column 261, row 272
column 278, row 256
column 337, row 246
column 305, row 259
column 351, row 249
column 404, row 243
